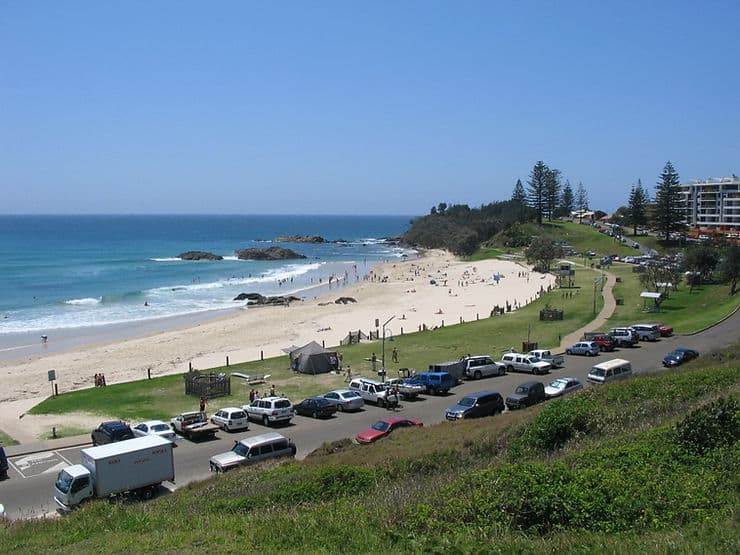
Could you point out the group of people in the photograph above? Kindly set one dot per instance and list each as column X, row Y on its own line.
column 254, row 394
column 99, row 380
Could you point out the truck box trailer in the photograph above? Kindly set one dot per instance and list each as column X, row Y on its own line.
column 137, row 466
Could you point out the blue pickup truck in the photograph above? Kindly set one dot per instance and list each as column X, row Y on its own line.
column 435, row 383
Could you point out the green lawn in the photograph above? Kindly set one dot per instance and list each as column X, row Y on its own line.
column 686, row 312
column 5, row 439
column 164, row 397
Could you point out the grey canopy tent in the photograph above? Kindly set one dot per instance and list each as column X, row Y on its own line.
column 312, row 358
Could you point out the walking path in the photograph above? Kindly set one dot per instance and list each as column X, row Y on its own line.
column 610, row 304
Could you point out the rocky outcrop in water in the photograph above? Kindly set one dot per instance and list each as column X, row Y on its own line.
column 270, row 253
column 300, row 239
column 255, row 299
column 199, row 255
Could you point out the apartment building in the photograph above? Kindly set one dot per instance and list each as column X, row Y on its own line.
column 713, row 205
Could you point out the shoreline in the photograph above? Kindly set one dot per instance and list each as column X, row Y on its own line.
column 427, row 291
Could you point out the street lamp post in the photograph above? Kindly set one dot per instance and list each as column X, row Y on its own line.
column 382, row 352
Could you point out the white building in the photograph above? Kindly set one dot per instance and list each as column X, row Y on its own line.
column 713, row 204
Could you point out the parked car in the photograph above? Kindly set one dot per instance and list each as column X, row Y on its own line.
column 373, row 391
column 679, row 356
column 384, row 427
column 603, row 340
column 435, row 383
column 110, row 432
column 562, row 386
column 476, row 405
column 611, row 370
column 194, row 426
column 316, row 407
column 623, row 337
column 555, row 361
column 478, row 367
column 665, row 330
column 588, row 348
column 231, row 418
column 270, row 410
column 154, row 428
column 253, row 449
column 646, row 332
column 407, row 389
column 519, row 362
column 346, row 399
column 3, row 464
column 526, row 395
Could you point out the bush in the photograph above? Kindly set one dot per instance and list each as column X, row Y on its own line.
column 714, row 425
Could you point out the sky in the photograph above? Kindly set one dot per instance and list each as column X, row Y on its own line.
column 382, row 107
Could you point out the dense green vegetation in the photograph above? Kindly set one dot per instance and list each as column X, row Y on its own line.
column 646, row 465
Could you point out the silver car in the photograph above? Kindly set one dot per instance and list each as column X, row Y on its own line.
column 346, row 399
column 154, row 428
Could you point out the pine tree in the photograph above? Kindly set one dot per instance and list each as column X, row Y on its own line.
column 581, row 197
column 567, row 200
column 537, row 188
column 637, row 207
column 669, row 209
column 519, row 195
column 552, row 192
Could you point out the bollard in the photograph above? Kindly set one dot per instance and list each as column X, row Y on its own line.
column 54, row 432
column 262, row 355
column 443, row 323
column 477, row 317
column 190, row 366
column 323, row 344
column 149, row 373
column 401, row 331
column 56, row 389
column 461, row 320
column 227, row 361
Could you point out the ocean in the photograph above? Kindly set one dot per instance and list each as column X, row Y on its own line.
column 78, row 272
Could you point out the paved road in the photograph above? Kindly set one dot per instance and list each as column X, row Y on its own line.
column 29, row 490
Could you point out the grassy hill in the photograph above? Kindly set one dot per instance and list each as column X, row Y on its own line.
column 646, row 465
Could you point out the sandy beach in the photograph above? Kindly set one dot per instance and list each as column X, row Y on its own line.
column 427, row 291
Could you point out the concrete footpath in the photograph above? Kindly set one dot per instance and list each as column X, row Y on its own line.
column 43, row 445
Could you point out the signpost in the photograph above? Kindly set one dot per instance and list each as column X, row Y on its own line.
column 52, row 377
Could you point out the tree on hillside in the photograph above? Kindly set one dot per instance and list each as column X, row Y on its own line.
column 637, row 207
column 668, row 213
column 542, row 251
column 519, row 196
column 567, row 200
column 581, row 197
column 537, row 189
column 701, row 261
column 730, row 267
column 661, row 278
column 552, row 192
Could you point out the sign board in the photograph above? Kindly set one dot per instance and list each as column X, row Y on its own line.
column 52, row 375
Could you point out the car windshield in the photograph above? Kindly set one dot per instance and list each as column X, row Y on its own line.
column 557, row 384
column 521, row 390
column 598, row 372
column 64, row 481
column 675, row 354
column 466, row 402
column 381, row 426
column 160, row 428
column 240, row 449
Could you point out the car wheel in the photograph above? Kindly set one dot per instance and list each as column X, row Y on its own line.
column 265, row 421
column 147, row 493
column 509, row 368
column 477, row 375
column 567, row 352
column 314, row 414
column 381, row 402
column 340, row 407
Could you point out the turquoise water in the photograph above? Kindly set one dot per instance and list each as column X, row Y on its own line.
column 65, row 272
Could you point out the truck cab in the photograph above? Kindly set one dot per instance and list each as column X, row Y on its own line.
column 73, row 485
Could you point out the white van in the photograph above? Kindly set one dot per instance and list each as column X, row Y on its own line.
column 615, row 369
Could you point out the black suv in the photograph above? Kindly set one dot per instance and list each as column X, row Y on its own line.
column 474, row 405
column 110, row 432
column 527, row 394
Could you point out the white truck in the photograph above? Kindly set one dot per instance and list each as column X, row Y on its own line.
column 556, row 361
column 136, row 466
column 406, row 389
column 373, row 392
column 519, row 362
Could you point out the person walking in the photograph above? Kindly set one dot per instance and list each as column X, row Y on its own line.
column 203, row 407
column 394, row 355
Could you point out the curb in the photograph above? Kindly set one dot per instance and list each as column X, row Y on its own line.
column 710, row 326
column 46, row 445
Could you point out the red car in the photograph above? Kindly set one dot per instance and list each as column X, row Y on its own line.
column 665, row 331
column 384, row 427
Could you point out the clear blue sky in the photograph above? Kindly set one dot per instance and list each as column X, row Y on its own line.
column 356, row 107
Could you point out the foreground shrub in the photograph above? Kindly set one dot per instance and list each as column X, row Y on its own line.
column 711, row 426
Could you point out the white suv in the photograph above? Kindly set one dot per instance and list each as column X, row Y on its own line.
column 478, row 367
column 231, row 418
column 270, row 410
column 623, row 337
